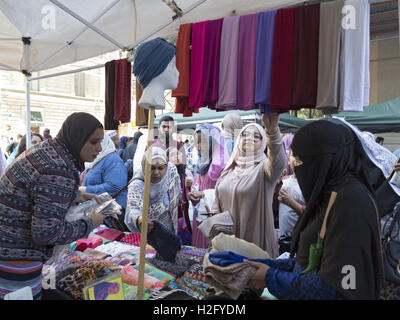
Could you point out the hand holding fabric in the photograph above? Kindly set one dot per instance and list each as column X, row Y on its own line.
column 258, row 279
column 270, row 122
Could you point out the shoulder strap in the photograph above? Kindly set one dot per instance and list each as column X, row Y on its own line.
column 328, row 209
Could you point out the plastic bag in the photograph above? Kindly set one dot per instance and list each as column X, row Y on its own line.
column 83, row 209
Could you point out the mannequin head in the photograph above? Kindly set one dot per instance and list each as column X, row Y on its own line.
column 155, row 68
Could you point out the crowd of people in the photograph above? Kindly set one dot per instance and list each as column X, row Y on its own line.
column 276, row 188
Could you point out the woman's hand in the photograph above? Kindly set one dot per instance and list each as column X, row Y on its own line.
column 150, row 225
column 286, row 198
column 396, row 167
column 271, row 122
column 188, row 183
column 195, row 196
column 258, row 279
column 96, row 218
column 84, row 196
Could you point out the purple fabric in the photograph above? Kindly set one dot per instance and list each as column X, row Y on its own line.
column 287, row 140
column 227, row 96
column 211, row 62
column 199, row 31
column 246, row 61
column 264, row 50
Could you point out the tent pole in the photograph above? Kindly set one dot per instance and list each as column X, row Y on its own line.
column 145, row 209
column 27, row 51
column 75, row 37
column 88, row 24
column 28, row 112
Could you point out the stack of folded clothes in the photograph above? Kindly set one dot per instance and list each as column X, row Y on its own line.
column 218, row 223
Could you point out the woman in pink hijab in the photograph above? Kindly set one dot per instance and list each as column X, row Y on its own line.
column 246, row 186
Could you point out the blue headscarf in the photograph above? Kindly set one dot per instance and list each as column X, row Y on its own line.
column 151, row 59
column 204, row 161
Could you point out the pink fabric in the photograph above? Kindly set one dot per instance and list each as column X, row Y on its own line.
column 246, row 70
column 211, row 64
column 199, row 31
column 95, row 241
column 111, row 234
column 227, row 89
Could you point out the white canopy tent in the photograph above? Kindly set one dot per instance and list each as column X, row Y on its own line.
column 43, row 34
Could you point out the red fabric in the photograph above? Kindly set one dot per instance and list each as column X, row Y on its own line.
column 282, row 60
column 305, row 64
column 181, row 93
column 111, row 234
column 122, row 97
column 132, row 238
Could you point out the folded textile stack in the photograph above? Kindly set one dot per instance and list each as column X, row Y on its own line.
column 233, row 278
column 218, row 223
column 74, row 283
column 195, row 288
column 130, row 275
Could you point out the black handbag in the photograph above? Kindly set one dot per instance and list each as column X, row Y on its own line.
column 391, row 245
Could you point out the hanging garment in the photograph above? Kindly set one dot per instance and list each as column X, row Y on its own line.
column 199, row 31
column 227, row 88
column 330, row 25
column 305, row 62
column 264, row 50
column 246, row 61
column 181, row 93
column 354, row 59
column 142, row 114
column 109, row 122
column 282, row 60
column 211, row 62
column 122, row 97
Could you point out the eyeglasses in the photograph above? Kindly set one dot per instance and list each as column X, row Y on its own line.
column 256, row 136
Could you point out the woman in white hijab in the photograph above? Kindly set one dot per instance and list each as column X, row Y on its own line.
column 165, row 191
column 246, row 186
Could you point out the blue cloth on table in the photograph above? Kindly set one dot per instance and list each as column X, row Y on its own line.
column 226, row 258
column 166, row 243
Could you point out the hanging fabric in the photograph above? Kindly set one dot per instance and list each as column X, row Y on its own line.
column 330, row 25
column 227, row 96
column 305, row 59
column 211, row 62
column 282, row 60
column 354, row 60
column 246, row 61
column 122, row 97
column 142, row 114
column 264, row 51
column 199, row 31
column 109, row 122
column 181, row 93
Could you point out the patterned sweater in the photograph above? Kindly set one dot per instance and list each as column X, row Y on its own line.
column 36, row 191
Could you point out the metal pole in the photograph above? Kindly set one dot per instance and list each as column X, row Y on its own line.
column 28, row 113
column 85, row 22
column 76, row 37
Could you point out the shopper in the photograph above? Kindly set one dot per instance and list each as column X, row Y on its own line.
column 164, row 195
column 35, row 139
column 35, row 194
column 247, row 183
column 330, row 158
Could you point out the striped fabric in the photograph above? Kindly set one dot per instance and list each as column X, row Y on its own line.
column 15, row 275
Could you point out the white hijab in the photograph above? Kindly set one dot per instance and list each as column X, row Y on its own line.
column 243, row 163
column 107, row 147
column 159, row 189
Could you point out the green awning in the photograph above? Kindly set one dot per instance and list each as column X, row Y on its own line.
column 36, row 118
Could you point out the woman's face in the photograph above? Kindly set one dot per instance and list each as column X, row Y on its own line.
column 158, row 169
column 201, row 143
column 35, row 140
column 92, row 147
column 251, row 140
